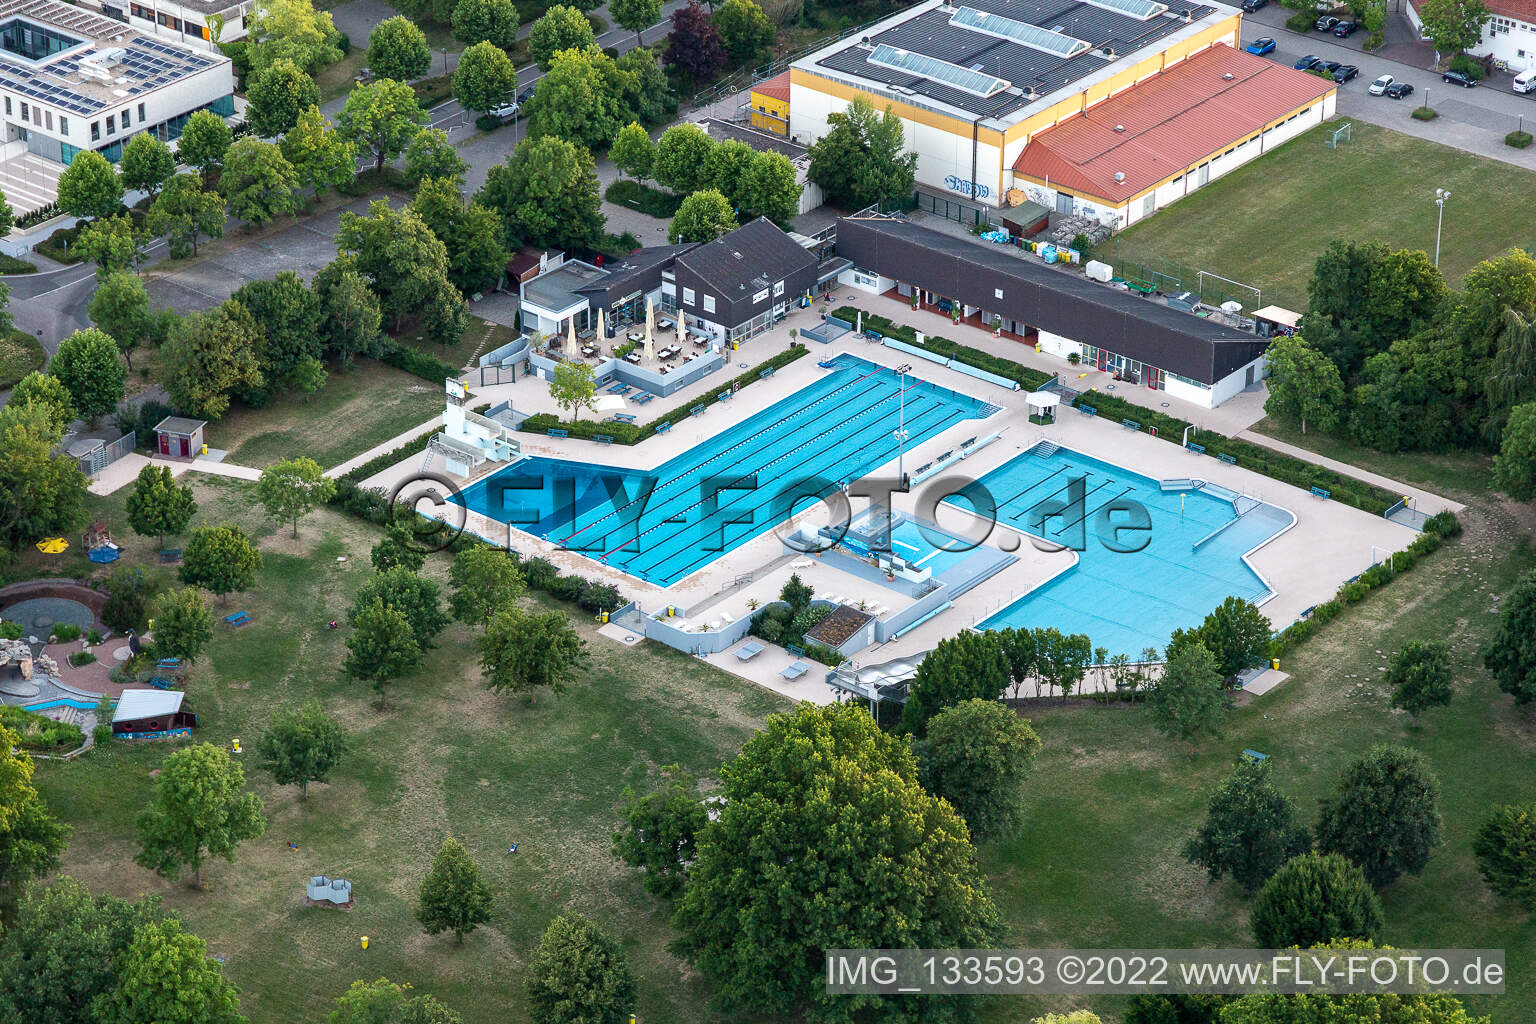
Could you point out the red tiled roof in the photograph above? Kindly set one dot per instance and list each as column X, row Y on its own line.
column 1172, row 121
column 1520, row 10
column 776, row 87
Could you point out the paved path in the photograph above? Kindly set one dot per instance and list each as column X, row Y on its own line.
column 1421, row 498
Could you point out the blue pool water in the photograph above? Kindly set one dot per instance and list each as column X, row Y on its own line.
column 1128, row 601
column 664, row 524
column 929, row 550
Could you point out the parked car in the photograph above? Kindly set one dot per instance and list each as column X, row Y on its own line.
column 1252, row 5
column 1397, row 90
column 1259, row 47
column 506, row 112
column 1345, row 29
column 1458, row 78
column 1306, row 63
column 1327, row 67
column 526, row 94
column 1381, row 85
column 1344, row 72
column 364, row 76
column 1326, row 23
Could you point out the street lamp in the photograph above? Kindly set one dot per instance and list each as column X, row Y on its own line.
column 901, row 430
column 1441, row 195
column 445, row 59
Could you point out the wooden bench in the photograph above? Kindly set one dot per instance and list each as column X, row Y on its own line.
column 872, row 334
column 796, row 651
column 764, row 375
column 1198, row 449
column 603, row 438
column 624, row 417
column 1319, row 492
column 723, row 396
column 171, row 556
column 662, row 428
column 1130, row 424
column 698, row 410
column 1087, row 410
column 555, row 432
column 1254, row 757
column 1230, row 460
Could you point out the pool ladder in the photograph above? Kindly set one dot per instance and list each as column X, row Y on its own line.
column 1045, row 449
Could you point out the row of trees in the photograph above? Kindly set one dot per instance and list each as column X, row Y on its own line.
column 748, row 183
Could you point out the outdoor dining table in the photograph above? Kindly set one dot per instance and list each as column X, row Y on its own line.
column 633, row 336
column 633, row 357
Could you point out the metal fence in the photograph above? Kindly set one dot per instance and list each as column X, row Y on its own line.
column 1213, row 284
column 95, row 461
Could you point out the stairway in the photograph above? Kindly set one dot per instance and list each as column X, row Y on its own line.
column 1045, row 449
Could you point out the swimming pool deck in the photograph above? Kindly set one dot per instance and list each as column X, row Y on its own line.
column 1330, row 542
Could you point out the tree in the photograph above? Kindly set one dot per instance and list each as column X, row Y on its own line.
column 582, row 98
column 398, row 254
column 702, row 217
column 349, row 312
column 1188, row 700
column 48, row 393
column 31, row 839
column 320, row 158
column 205, row 139
column 495, row 21
column 183, row 624
column 453, row 897
column 661, row 831
column 522, row 651
column 146, row 163
column 128, row 595
column 308, row 376
column 744, row 29
column 635, row 15
column 397, row 548
column 485, row 78
column 726, row 167
column 384, row 1002
column 1455, row 25
column 1250, row 829
column 693, row 45
column 292, row 30
column 572, row 388
column 220, row 559
column 1075, row 1017
column 1175, row 1008
column 978, row 755
column 112, row 243
column 965, row 666
column 397, row 49
column 818, row 806
column 648, row 93
column 381, row 648
column 42, row 491
column 1303, row 385
column 208, row 356
column 484, row 581
column 1505, row 848
column 1314, row 898
column 862, row 160
column 578, row 975
column 416, row 598
column 1383, row 814
column 258, row 182
column 770, row 189
column 560, row 28
column 293, row 488
column 547, row 195
column 1511, row 655
column 185, row 210
column 166, row 976
column 120, row 307
column 278, row 92
column 87, row 365
column 682, row 158
column 288, row 316
column 381, row 118
column 431, row 155
column 302, row 747
column 89, row 186
column 632, row 151
column 1514, row 468
column 61, row 948
column 1420, row 676
column 200, row 809
column 7, row 216
column 1388, row 1008
column 1236, row 633
column 1364, row 296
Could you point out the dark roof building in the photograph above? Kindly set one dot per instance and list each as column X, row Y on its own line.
column 740, row 283
column 1080, row 315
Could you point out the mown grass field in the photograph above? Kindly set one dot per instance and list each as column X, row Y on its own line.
column 1265, row 223
column 1098, row 863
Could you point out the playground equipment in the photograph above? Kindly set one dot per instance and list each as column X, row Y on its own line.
column 330, row 892
column 99, row 545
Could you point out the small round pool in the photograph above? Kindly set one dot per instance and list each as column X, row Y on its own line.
column 38, row 615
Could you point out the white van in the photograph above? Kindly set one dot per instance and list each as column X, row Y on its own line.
column 1525, row 81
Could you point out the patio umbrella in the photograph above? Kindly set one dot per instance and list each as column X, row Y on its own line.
column 53, row 545
column 650, row 328
column 601, row 332
column 571, row 348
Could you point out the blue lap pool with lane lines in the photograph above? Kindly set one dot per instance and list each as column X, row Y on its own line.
column 664, row 524
column 1127, row 601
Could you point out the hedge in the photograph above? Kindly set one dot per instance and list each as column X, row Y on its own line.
column 1437, row 531
column 414, row 361
column 1271, row 463
column 632, row 433
column 651, row 201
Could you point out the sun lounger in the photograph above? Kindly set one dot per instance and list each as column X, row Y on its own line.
column 795, row 671
column 749, row 651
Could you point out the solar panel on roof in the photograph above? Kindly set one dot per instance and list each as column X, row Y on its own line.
column 1033, row 36
column 933, row 69
column 1142, row 10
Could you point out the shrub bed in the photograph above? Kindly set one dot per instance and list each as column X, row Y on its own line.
column 1424, row 114
column 1028, row 378
column 1518, row 140
column 11, row 265
column 651, row 201
column 1302, row 21
column 39, row 732
column 414, row 361
column 20, row 354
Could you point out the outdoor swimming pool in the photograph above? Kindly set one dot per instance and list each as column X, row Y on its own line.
column 1126, row 601
column 662, row 525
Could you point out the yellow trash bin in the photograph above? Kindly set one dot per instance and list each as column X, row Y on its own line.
column 365, row 941
column 605, row 618
column 1274, row 663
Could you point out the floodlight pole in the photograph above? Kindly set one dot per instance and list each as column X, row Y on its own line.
column 1441, row 195
column 901, row 430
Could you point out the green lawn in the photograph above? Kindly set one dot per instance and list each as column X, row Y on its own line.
column 20, row 354
column 356, row 410
column 1459, row 475
column 1265, row 223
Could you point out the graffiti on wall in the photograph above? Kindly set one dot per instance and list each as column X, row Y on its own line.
column 964, row 187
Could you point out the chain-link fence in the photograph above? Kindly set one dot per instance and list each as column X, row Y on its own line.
column 1213, row 284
